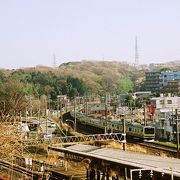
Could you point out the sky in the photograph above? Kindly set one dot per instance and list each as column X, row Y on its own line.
column 33, row 31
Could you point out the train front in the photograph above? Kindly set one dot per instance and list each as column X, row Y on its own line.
column 149, row 133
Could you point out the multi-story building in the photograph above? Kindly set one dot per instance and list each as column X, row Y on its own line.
column 167, row 76
column 162, row 82
column 164, row 115
column 169, row 102
column 172, row 87
column 152, row 82
column 158, row 66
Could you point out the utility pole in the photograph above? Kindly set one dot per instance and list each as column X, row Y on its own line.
column 39, row 110
column 59, row 98
column 124, row 133
column 177, row 132
column 86, row 105
column 46, row 115
column 144, row 114
column 75, row 113
column 105, row 129
column 124, row 141
column 26, row 114
column 30, row 100
column 58, row 106
column 61, row 116
column 46, row 104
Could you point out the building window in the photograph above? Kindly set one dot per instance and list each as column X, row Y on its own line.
column 161, row 101
column 169, row 101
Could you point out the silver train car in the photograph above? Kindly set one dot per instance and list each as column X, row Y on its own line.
column 134, row 130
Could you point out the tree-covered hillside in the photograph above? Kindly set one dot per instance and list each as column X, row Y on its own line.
column 71, row 79
column 101, row 75
column 76, row 78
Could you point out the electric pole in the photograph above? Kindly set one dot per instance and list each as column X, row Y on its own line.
column 30, row 103
column 39, row 109
column 61, row 116
column 145, row 114
column 105, row 130
column 177, row 132
column 75, row 113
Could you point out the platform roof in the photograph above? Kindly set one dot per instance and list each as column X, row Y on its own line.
column 127, row 158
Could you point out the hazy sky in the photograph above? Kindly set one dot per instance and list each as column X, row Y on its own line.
column 32, row 31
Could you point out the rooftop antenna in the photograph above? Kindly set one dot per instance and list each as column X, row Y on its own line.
column 136, row 53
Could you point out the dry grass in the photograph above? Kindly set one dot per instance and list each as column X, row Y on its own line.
column 9, row 140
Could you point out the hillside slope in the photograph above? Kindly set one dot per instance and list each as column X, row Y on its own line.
column 100, row 74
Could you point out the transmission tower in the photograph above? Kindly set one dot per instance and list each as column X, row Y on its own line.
column 54, row 61
column 136, row 52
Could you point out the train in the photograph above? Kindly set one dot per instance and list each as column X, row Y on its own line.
column 133, row 129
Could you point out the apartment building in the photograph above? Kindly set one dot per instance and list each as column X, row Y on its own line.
column 162, row 82
column 173, row 87
column 152, row 82
column 167, row 76
column 165, row 115
column 158, row 66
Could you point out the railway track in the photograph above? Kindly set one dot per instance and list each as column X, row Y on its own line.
column 21, row 170
column 158, row 146
column 151, row 145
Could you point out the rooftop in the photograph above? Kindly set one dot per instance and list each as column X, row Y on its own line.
column 132, row 159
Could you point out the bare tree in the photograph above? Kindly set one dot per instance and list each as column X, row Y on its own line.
column 12, row 99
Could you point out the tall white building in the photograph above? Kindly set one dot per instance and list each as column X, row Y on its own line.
column 165, row 115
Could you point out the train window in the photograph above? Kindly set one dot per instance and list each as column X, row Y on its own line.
column 149, row 130
column 129, row 129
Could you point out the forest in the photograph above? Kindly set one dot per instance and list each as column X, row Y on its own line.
column 71, row 79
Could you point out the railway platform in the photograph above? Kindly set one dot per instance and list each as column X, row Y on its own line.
column 116, row 163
